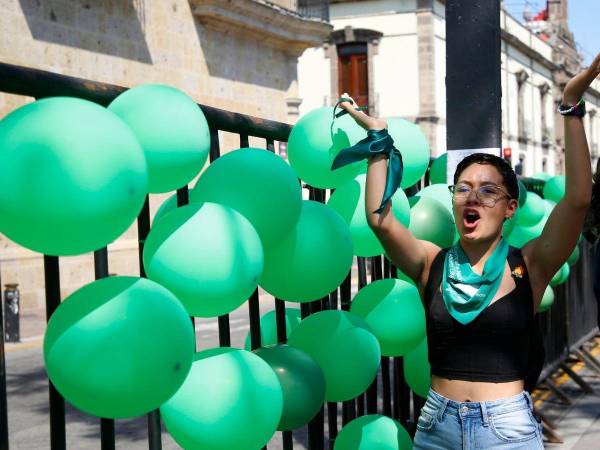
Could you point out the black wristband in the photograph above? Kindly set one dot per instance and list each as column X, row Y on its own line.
column 577, row 110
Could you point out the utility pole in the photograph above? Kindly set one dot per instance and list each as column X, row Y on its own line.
column 473, row 87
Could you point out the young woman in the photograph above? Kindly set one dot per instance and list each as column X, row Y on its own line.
column 480, row 295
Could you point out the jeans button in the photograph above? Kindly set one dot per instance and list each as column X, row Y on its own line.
column 464, row 410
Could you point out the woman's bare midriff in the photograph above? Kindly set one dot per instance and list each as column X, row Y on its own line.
column 475, row 391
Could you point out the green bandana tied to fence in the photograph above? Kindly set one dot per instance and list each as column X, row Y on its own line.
column 465, row 292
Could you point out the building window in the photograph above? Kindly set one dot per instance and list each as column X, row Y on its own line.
column 524, row 125
column 353, row 71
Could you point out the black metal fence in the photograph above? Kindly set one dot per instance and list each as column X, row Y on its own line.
column 566, row 323
column 314, row 9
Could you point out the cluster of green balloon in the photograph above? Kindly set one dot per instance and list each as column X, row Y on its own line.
column 532, row 210
column 431, row 221
column 554, row 188
column 547, row 300
column 218, row 408
column 412, row 144
column 268, row 327
column 207, row 254
column 393, row 310
column 170, row 204
column 171, row 129
column 104, row 355
column 349, row 201
column 74, row 176
column 529, row 220
column 302, row 383
column 561, row 275
column 315, row 141
column 344, row 347
column 438, row 168
column 292, row 271
column 259, row 185
column 417, row 369
column 373, row 432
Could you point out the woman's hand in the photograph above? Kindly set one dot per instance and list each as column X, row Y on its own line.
column 348, row 105
column 579, row 83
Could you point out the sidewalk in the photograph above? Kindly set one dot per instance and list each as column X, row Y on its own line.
column 578, row 425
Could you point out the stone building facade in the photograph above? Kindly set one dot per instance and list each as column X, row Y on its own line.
column 238, row 55
column 403, row 42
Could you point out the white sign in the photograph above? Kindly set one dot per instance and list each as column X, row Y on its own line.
column 456, row 156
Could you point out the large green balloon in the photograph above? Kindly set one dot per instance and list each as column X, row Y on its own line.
column 522, row 193
column 302, row 382
column 315, row 141
column 393, row 310
column 574, row 256
column 417, row 371
column 440, row 193
column 373, row 432
column 344, row 347
column 410, row 140
column 119, row 347
column 349, row 201
column 268, row 327
column 74, row 177
column 231, row 400
column 519, row 236
column 312, row 260
column 170, row 204
column 172, row 130
column 561, row 275
column 532, row 211
column 258, row 184
column 554, row 188
column 547, row 300
column 437, row 171
column 208, row 255
column 431, row 221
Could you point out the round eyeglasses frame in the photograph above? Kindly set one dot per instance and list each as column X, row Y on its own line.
column 491, row 202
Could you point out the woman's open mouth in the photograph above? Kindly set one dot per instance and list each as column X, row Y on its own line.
column 471, row 218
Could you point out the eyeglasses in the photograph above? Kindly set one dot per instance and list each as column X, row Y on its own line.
column 488, row 195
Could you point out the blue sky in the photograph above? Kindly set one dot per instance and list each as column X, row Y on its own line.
column 584, row 18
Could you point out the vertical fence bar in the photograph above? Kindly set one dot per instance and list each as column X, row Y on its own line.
column 254, row 315
column 107, row 426
column 183, row 198
column 385, row 383
column 3, row 402
column 372, row 389
column 332, row 413
column 349, row 406
column 143, row 226
column 57, row 403
column 280, row 321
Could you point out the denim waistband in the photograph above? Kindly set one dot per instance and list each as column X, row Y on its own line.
column 480, row 409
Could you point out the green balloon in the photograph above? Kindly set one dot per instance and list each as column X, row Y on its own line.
column 431, row 221
column 208, row 255
column 574, row 257
column 554, row 188
column 410, row 140
column 437, row 171
column 231, row 400
column 440, row 193
column 541, row 176
column 172, row 130
column 349, row 201
column 394, row 312
column 74, row 176
column 561, row 276
column 315, row 141
column 312, row 260
column 302, row 382
column 268, row 327
column 344, row 347
column 532, row 211
column 522, row 193
column 508, row 226
column 170, row 204
column 417, row 371
column 373, row 432
column 104, row 355
column 519, row 236
column 547, row 300
column 259, row 185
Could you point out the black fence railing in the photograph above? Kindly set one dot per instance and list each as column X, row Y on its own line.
column 314, row 9
column 567, row 322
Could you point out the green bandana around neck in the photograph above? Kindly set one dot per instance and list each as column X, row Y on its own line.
column 465, row 292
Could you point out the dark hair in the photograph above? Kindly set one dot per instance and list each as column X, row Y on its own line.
column 509, row 178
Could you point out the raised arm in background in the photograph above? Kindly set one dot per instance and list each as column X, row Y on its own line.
column 546, row 254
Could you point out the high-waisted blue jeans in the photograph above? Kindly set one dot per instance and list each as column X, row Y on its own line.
column 507, row 423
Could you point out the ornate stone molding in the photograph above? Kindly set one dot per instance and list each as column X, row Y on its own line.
column 264, row 21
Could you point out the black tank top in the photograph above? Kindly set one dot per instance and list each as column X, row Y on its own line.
column 502, row 344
